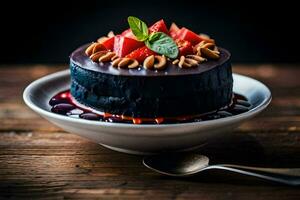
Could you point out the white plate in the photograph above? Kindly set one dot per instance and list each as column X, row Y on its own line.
column 143, row 139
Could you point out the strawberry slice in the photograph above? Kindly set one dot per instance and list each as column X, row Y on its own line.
column 109, row 43
column 124, row 45
column 186, row 34
column 141, row 54
column 173, row 29
column 184, row 46
column 128, row 33
column 159, row 26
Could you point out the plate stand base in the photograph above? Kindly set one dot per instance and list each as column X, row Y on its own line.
column 134, row 152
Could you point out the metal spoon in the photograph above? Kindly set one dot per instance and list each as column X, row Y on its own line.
column 186, row 164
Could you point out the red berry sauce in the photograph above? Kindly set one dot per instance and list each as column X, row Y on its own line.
column 63, row 103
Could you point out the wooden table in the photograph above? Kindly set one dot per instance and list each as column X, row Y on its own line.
column 39, row 160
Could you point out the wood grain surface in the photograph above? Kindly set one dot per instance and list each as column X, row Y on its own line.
column 40, row 161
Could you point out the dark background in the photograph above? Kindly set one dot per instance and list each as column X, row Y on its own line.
column 48, row 31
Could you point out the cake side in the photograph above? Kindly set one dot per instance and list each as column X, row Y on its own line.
column 153, row 96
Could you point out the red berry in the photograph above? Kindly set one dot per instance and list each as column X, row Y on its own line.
column 128, row 33
column 159, row 26
column 173, row 30
column 109, row 43
column 141, row 54
column 184, row 46
column 124, row 45
column 186, row 34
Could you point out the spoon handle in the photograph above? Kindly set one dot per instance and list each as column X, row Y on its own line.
column 289, row 176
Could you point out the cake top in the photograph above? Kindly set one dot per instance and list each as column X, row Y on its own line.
column 79, row 58
column 153, row 48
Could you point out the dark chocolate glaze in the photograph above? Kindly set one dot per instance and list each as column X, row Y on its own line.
column 79, row 58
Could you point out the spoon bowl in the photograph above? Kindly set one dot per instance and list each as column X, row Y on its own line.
column 183, row 164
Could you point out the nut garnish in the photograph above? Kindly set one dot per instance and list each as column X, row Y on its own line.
column 155, row 62
column 206, row 38
column 208, row 45
column 161, row 62
column 114, row 57
column 95, row 56
column 103, row 38
column 124, row 62
column 175, row 62
column 183, row 64
column 129, row 63
column 208, row 53
column 115, row 62
column 199, row 59
column 134, row 64
column 207, row 49
column 204, row 44
column 107, row 57
column 110, row 34
column 94, row 48
column 98, row 47
column 203, row 35
column 96, row 53
column 89, row 50
column 149, row 62
column 190, row 61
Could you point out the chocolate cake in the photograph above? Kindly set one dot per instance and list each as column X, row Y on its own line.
column 193, row 80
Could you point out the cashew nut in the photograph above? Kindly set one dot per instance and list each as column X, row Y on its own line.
column 191, row 61
column 114, row 57
column 203, row 35
column 134, row 64
column 116, row 62
column 156, row 62
column 107, row 57
column 175, row 62
column 98, row 47
column 181, row 61
column 183, row 64
column 95, row 56
column 124, row 62
column 89, row 50
column 102, row 39
column 149, row 62
column 206, row 38
column 161, row 62
column 209, row 53
column 203, row 44
column 110, row 34
column 128, row 62
column 197, row 58
column 208, row 45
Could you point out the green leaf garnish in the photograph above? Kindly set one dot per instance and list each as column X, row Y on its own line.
column 158, row 42
column 161, row 43
column 138, row 28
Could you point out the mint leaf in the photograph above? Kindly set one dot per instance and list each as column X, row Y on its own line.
column 138, row 28
column 153, row 37
column 158, row 42
column 161, row 43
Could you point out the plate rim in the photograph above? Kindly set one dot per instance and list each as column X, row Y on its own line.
column 49, row 77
